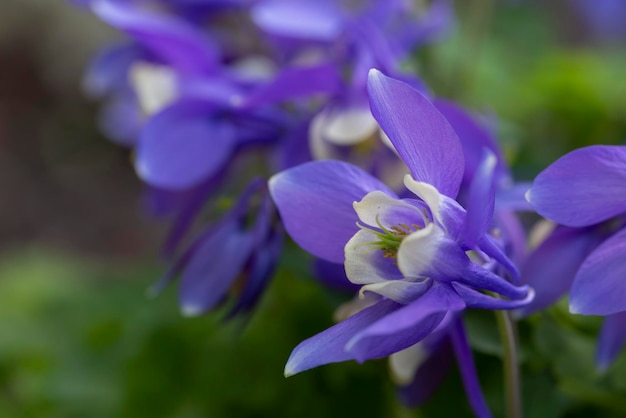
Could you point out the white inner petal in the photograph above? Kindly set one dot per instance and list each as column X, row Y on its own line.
column 362, row 259
column 378, row 207
column 354, row 306
column 320, row 148
column 418, row 251
column 255, row 67
column 427, row 193
column 156, row 86
column 401, row 291
column 350, row 126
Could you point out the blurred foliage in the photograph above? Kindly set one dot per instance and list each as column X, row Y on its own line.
column 80, row 339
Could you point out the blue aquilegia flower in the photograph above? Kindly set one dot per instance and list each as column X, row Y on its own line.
column 425, row 257
column 584, row 192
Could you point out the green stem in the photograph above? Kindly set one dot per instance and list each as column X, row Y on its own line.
column 508, row 335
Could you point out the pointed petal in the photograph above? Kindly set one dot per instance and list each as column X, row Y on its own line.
column 599, row 287
column 484, row 279
column 612, row 339
column 422, row 136
column 405, row 326
column 172, row 40
column 431, row 253
column 315, row 201
column 582, row 188
column 329, row 345
column 493, row 249
column 213, row 268
column 550, row 269
column 467, row 368
column 480, row 201
column 182, row 146
column 475, row 299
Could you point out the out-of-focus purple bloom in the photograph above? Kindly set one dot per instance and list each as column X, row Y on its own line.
column 585, row 192
column 235, row 255
column 426, row 256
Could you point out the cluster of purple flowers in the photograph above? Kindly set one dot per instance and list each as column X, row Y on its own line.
column 213, row 96
column 404, row 198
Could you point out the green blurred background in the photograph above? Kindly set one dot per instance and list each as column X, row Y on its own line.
column 79, row 337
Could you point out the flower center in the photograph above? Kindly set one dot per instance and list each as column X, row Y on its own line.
column 388, row 240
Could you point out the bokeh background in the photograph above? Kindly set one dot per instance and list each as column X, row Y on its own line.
column 80, row 338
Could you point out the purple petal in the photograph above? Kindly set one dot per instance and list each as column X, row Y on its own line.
column 174, row 41
column 467, row 368
column 481, row 200
column 108, row 71
column 333, row 275
column 296, row 82
column 121, row 119
column 329, row 345
column 513, row 197
column 214, row 266
column 475, row 299
column 268, row 244
column 493, row 249
column 307, row 20
column 599, row 287
column 422, row 136
column 405, row 326
column 182, row 146
column 550, row 269
column 315, row 202
column 474, row 139
column 484, row 279
column 612, row 339
column 584, row 187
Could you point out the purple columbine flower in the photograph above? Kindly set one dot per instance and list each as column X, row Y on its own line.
column 425, row 256
column 232, row 259
column 584, row 192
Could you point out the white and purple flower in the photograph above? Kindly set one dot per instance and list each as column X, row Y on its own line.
column 425, row 256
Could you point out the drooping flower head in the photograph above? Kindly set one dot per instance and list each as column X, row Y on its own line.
column 425, row 256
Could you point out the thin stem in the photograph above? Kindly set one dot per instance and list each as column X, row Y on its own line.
column 508, row 335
